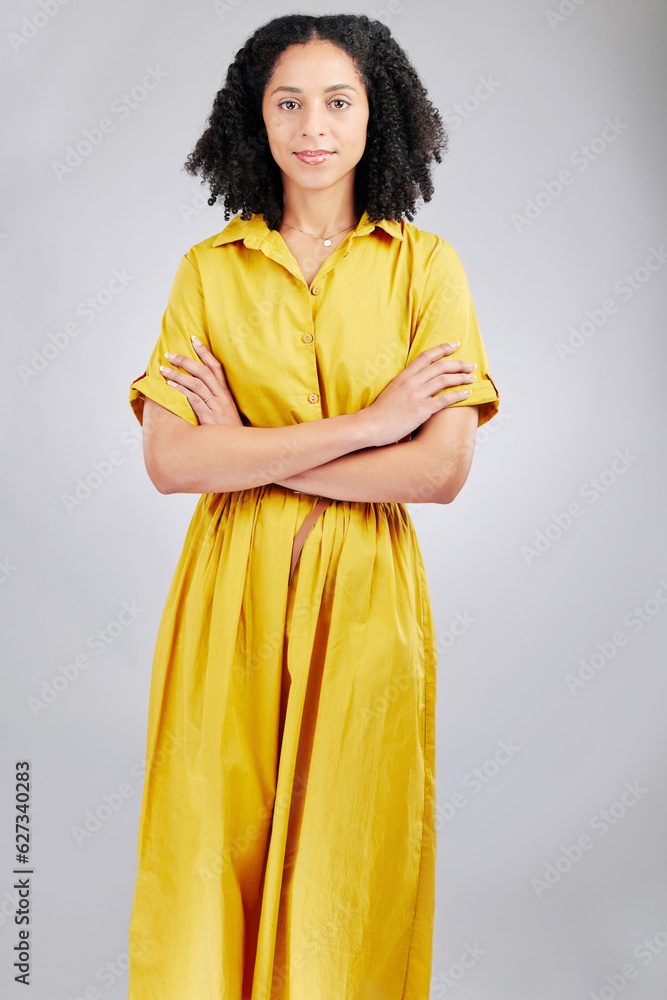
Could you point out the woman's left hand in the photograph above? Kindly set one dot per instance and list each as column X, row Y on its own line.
column 205, row 386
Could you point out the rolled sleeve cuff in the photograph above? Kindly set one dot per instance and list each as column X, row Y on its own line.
column 146, row 386
column 485, row 395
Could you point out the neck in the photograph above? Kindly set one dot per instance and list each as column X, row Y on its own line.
column 318, row 213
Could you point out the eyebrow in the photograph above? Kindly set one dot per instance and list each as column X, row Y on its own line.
column 327, row 90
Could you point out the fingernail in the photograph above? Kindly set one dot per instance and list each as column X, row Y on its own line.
column 455, row 343
column 195, row 341
column 163, row 369
column 169, row 354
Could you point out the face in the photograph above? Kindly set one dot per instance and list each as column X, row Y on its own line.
column 314, row 101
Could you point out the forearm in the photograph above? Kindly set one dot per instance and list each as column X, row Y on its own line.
column 394, row 473
column 217, row 458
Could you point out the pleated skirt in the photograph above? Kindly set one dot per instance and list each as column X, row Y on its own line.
column 287, row 837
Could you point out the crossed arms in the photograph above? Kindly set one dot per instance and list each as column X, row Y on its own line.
column 336, row 457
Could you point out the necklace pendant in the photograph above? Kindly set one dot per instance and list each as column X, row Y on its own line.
column 327, row 243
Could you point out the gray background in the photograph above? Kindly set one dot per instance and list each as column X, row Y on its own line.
column 66, row 572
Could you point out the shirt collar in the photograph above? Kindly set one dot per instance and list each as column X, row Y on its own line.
column 254, row 231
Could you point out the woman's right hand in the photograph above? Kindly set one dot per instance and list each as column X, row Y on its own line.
column 408, row 400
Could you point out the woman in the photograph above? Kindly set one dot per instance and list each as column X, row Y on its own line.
column 287, row 835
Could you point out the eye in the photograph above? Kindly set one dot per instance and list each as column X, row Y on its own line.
column 336, row 100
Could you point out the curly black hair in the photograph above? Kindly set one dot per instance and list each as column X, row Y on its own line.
column 405, row 130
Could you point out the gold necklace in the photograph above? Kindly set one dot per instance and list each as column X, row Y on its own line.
column 326, row 239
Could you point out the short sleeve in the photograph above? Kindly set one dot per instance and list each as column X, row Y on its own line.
column 184, row 316
column 447, row 313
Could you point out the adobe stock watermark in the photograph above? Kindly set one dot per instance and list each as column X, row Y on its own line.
column 565, row 10
column 626, row 286
column 476, row 780
column 190, row 210
column 7, row 569
column 225, row 7
column 386, row 362
column 9, row 905
column 581, row 158
column 97, row 642
column 256, row 320
column 101, row 472
column 107, row 974
column 120, row 109
column 258, row 140
column 391, row 10
column 321, row 937
column 114, row 969
column 32, row 24
column 445, row 981
column 112, row 802
column 645, row 951
column 636, row 619
column 601, row 823
column 591, row 490
column 87, row 310
column 433, row 487
column 460, row 112
column 238, row 845
column 491, row 427
column 459, row 625
column 403, row 683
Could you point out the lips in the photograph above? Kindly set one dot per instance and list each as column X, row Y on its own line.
column 314, row 155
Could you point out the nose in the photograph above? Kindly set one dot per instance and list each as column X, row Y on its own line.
column 311, row 121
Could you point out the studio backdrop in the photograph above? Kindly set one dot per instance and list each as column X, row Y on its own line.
column 548, row 573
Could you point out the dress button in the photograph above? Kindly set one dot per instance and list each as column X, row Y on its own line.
column 315, row 289
column 313, row 397
column 307, row 337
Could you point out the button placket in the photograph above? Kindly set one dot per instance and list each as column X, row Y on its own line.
column 308, row 338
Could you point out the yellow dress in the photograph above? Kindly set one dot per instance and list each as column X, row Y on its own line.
column 287, row 837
